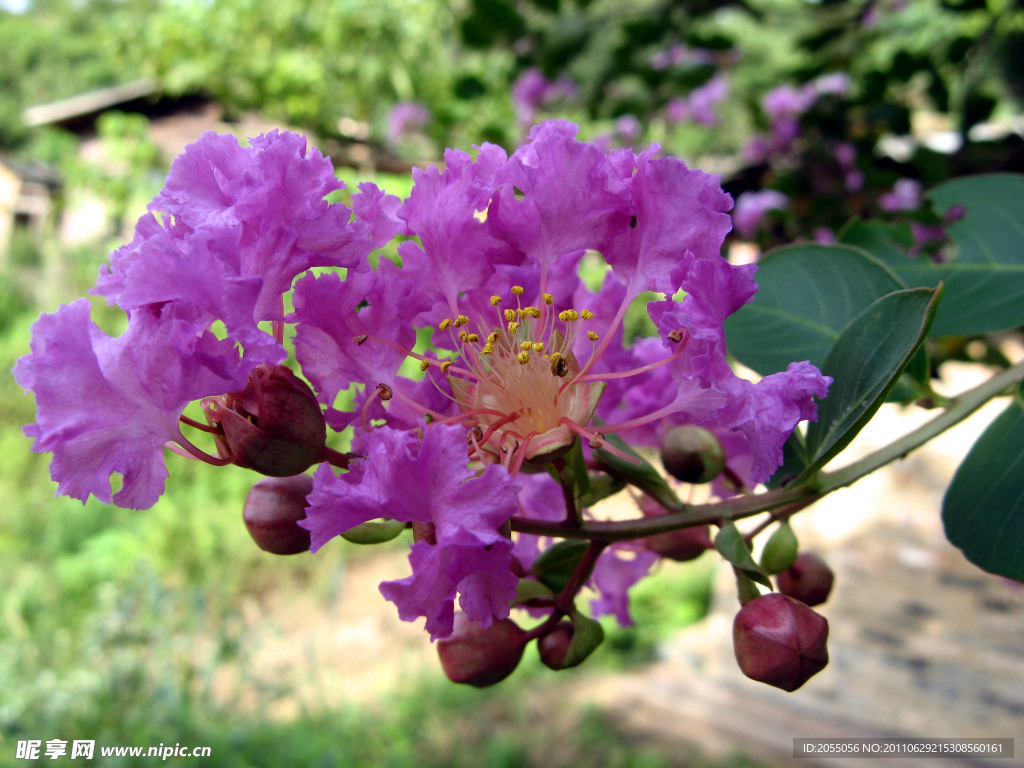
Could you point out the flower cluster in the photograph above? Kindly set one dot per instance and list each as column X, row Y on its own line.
column 525, row 360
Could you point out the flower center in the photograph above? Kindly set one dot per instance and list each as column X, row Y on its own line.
column 518, row 380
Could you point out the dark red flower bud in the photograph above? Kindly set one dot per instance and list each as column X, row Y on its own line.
column 272, row 511
column 481, row 657
column 682, row 545
column 554, row 646
column 808, row 580
column 274, row 426
column 780, row 641
column 692, row 454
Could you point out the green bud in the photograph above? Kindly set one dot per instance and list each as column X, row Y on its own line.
column 780, row 550
column 374, row 531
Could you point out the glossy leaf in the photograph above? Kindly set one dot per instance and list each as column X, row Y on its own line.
column 985, row 278
column 638, row 473
column 983, row 511
column 865, row 364
column 806, row 295
column 730, row 545
column 555, row 565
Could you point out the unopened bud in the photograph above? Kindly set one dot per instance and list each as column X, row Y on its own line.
column 780, row 641
column 272, row 511
column 274, row 426
column 554, row 646
column 681, row 545
column 481, row 657
column 808, row 580
column 692, row 454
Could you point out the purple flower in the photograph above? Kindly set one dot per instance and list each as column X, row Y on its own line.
column 532, row 90
column 905, row 196
column 518, row 357
column 108, row 405
column 406, row 118
column 752, row 207
column 699, row 106
column 427, row 481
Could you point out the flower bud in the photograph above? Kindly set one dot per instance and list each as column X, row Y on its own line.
column 780, row 641
column 554, row 646
column 808, row 580
column 481, row 657
column 272, row 511
column 274, row 426
column 682, row 545
column 692, row 454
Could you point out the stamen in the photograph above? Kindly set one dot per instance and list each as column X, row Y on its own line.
column 592, row 336
column 510, row 315
column 445, row 324
column 549, row 299
column 360, row 339
column 424, row 364
column 523, row 358
column 495, row 300
column 445, row 366
column 586, row 314
column 518, row 290
column 461, row 320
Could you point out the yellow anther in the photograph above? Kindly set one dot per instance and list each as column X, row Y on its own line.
column 424, row 364
column 520, row 313
column 566, row 315
column 573, row 314
column 472, row 338
column 549, row 299
column 463, row 336
column 493, row 337
column 538, row 346
column 533, row 312
column 510, row 315
column 513, row 327
column 445, row 366
column 592, row 336
column 523, row 358
column 487, row 349
column 495, row 300
column 445, row 324
column 526, row 346
column 518, row 290
column 586, row 314
column 461, row 320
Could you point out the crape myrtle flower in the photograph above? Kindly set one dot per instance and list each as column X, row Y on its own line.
column 522, row 360
column 225, row 238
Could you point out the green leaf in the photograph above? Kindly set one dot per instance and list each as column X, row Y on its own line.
column 983, row 511
column 600, row 487
column 865, row 364
column 578, row 466
column 806, row 296
column 531, row 589
column 985, row 280
column 641, row 475
column 556, row 564
column 730, row 545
